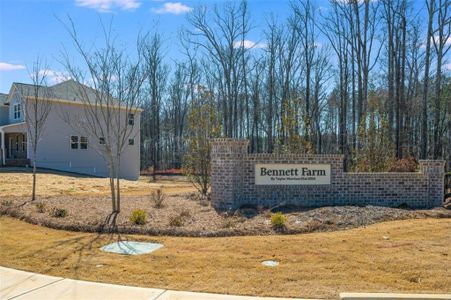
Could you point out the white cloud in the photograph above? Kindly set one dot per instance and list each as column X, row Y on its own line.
column 175, row 8
column 447, row 67
column 447, row 42
column 109, row 5
column 10, row 67
column 249, row 44
column 53, row 77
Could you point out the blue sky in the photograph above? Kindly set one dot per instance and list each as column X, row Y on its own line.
column 30, row 28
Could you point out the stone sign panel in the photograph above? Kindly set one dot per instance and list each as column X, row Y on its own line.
column 292, row 174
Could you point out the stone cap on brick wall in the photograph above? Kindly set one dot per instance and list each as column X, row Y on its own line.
column 297, row 155
column 435, row 162
column 229, row 146
column 429, row 166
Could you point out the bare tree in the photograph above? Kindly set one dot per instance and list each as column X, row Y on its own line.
column 220, row 35
column 110, row 104
column 37, row 105
column 156, row 72
column 424, row 117
column 440, row 38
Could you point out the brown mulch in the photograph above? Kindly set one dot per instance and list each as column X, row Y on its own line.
column 198, row 218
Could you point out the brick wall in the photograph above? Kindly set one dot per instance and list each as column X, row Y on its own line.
column 233, row 183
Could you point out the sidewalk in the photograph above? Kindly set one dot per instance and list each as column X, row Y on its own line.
column 22, row 285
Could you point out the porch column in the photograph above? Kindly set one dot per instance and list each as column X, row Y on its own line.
column 2, row 145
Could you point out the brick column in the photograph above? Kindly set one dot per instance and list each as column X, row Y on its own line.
column 227, row 171
column 435, row 173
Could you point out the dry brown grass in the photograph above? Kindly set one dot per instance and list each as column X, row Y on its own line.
column 18, row 183
column 398, row 256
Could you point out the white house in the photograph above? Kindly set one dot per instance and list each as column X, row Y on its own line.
column 62, row 145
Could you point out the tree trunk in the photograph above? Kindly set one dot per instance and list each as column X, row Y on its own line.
column 424, row 118
column 33, row 196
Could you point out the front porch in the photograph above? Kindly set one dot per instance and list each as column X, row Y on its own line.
column 13, row 141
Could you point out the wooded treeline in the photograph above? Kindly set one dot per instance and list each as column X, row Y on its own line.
column 368, row 79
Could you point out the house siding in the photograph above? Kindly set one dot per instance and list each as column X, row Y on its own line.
column 54, row 150
column 4, row 115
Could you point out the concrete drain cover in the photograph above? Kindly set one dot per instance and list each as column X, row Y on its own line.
column 131, row 248
column 270, row 263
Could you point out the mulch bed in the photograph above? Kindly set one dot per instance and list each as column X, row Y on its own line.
column 198, row 218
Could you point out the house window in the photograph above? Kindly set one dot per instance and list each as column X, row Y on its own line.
column 74, row 142
column 83, row 142
column 102, row 141
column 131, row 119
column 131, row 142
column 17, row 111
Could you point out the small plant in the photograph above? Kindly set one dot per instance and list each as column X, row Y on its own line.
column 278, row 221
column 58, row 212
column 7, row 202
column 228, row 223
column 40, row 207
column 71, row 189
column 176, row 221
column 158, row 198
column 204, row 202
column 408, row 164
column 138, row 217
column 185, row 213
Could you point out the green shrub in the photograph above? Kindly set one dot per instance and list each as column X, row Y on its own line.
column 40, row 207
column 278, row 220
column 138, row 217
column 158, row 198
column 58, row 212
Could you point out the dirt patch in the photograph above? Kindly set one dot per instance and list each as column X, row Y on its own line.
column 184, row 215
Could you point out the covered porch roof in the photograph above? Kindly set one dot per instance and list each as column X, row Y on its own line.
column 16, row 127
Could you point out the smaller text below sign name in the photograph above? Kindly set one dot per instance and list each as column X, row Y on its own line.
column 292, row 174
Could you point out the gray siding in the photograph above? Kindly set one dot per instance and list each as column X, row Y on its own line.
column 4, row 115
column 54, row 150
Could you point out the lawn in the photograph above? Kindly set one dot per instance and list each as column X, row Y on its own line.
column 398, row 256
column 18, row 182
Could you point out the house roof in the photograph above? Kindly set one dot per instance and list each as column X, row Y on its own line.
column 66, row 91
column 3, row 98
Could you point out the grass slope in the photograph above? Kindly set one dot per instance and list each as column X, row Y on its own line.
column 398, row 256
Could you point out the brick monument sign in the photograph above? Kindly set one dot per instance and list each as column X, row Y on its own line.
column 262, row 179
